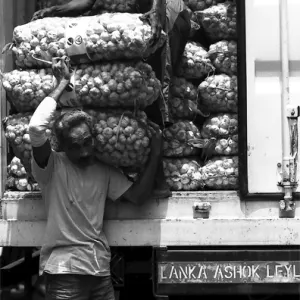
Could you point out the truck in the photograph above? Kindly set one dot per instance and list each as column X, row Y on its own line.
column 242, row 242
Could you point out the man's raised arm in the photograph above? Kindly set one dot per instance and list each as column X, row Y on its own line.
column 44, row 113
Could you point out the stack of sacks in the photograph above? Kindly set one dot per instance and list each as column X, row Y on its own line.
column 182, row 144
column 205, row 81
column 17, row 177
column 183, row 141
column 218, row 92
column 118, row 81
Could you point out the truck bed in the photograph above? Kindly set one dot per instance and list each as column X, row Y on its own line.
column 164, row 222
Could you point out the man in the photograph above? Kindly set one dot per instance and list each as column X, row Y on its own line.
column 75, row 255
column 170, row 15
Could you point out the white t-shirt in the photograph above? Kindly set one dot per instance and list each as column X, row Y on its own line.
column 74, row 241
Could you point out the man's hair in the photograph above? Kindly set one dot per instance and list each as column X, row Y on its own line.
column 66, row 121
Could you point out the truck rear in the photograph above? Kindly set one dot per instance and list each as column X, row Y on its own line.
column 231, row 225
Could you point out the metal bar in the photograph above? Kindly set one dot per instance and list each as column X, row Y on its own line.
column 5, row 9
column 294, row 149
column 285, row 93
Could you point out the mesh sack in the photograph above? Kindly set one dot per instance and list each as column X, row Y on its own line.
column 116, row 84
column 223, row 55
column 220, row 125
column 122, row 137
column 195, row 62
column 182, row 139
column 182, row 88
column 221, row 173
column 218, row 93
column 219, row 21
column 18, row 179
column 183, row 174
column 16, row 128
column 109, row 36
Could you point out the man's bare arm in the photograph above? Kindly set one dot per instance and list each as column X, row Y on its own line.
column 38, row 125
column 72, row 9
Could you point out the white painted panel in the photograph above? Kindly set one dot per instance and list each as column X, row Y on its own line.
column 263, row 99
column 264, row 88
column 265, row 232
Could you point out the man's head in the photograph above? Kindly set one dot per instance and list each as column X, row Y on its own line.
column 74, row 134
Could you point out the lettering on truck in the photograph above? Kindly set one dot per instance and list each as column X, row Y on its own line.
column 228, row 272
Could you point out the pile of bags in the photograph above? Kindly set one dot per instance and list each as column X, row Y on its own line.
column 117, row 87
column 205, row 85
column 115, row 84
column 114, row 90
column 18, row 179
column 109, row 36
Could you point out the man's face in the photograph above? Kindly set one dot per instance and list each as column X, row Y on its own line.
column 79, row 145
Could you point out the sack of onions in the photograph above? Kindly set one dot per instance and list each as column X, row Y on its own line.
column 219, row 21
column 181, row 88
column 122, row 137
column 223, row 55
column 16, row 129
column 195, row 62
column 108, row 36
column 183, row 174
column 182, row 139
column 221, row 173
column 218, row 93
column 17, row 177
column 115, row 84
column 220, row 125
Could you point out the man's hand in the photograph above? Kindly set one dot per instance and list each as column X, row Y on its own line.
column 60, row 68
column 43, row 13
column 154, row 18
column 156, row 140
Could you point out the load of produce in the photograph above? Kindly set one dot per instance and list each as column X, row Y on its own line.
column 182, row 139
column 100, row 5
column 122, row 137
column 196, row 5
column 115, row 84
column 221, row 173
column 226, row 146
column 218, row 93
column 220, row 125
column 195, row 62
column 16, row 129
column 219, row 21
column 222, row 129
column 183, row 108
column 108, row 36
column 223, row 55
column 17, row 178
column 183, row 174
column 182, row 88
column 26, row 89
